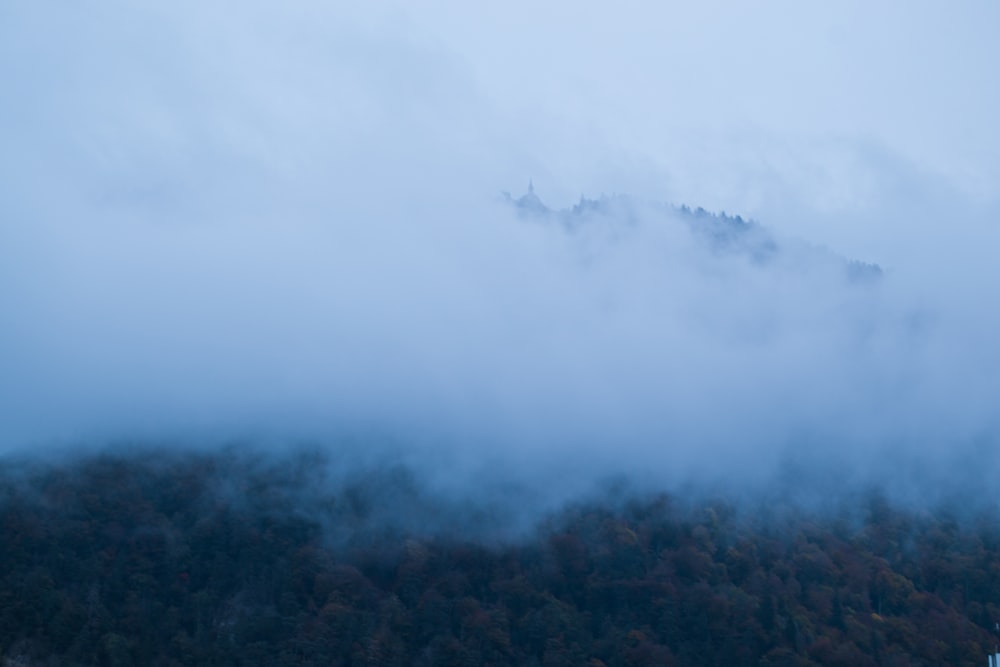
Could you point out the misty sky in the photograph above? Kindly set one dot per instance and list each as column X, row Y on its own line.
column 242, row 220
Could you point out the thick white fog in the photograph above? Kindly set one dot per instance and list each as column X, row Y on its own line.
column 248, row 222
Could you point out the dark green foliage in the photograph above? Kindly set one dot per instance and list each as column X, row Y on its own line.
column 196, row 559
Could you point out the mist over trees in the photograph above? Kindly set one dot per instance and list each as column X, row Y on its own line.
column 621, row 505
column 722, row 234
column 229, row 559
column 374, row 413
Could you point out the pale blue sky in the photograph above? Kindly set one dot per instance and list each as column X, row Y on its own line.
column 808, row 115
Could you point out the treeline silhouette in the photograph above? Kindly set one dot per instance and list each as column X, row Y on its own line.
column 219, row 559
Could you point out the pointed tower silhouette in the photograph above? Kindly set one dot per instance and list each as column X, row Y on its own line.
column 530, row 201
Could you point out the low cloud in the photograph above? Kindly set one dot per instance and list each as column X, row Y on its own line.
column 256, row 233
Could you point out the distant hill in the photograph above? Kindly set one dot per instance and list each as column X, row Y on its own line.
column 722, row 233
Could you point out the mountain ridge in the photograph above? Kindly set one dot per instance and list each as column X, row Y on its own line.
column 721, row 232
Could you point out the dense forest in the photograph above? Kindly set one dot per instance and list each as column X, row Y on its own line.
column 218, row 559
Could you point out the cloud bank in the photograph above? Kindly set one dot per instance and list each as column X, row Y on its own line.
column 284, row 225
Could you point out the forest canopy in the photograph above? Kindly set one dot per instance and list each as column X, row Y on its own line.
column 227, row 559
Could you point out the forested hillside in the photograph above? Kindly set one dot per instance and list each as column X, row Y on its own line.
column 214, row 560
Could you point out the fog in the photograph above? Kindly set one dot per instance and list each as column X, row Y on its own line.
column 285, row 225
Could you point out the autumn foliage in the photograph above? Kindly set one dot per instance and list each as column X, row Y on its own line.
column 198, row 559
